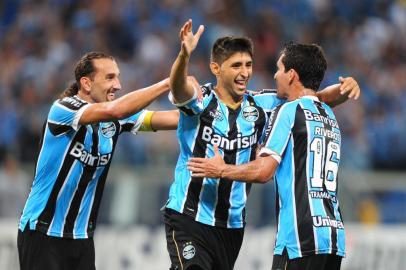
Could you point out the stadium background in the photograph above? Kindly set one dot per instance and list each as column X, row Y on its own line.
column 41, row 40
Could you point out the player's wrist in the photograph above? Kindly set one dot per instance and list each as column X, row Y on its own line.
column 184, row 55
column 223, row 170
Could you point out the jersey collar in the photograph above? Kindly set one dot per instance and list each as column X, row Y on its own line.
column 315, row 98
column 77, row 97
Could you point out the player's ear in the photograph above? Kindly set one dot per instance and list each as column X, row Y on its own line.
column 85, row 83
column 293, row 75
column 215, row 68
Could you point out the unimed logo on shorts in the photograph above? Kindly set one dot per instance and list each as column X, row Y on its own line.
column 189, row 251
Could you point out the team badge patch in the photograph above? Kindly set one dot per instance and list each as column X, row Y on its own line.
column 108, row 129
column 217, row 115
column 250, row 113
column 189, row 251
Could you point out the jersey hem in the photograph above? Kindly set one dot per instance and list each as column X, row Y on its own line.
column 44, row 230
column 313, row 252
column 220, row 224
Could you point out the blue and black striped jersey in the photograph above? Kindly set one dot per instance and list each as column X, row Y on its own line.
column 305, row 135
column 206, row 122
column 71, row 170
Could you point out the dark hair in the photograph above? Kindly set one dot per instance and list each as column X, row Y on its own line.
column 84, row 67
column 225, row 47
column 308, row 61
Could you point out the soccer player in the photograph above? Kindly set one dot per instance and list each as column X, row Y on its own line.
column 303, row 146
column 205, row 218
column 79, row 136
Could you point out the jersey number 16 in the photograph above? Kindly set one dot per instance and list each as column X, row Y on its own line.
column 325, row 164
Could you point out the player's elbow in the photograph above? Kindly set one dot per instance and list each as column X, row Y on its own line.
column 174, row 83
column 263, row 179
column 178, row 90
column 264, row 176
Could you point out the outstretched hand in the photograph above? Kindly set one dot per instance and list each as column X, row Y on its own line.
column 349, row 87
column 207, row 167
column 188, row 39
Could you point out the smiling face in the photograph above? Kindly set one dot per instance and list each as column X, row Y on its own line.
column 105, row 80
column 234, row 74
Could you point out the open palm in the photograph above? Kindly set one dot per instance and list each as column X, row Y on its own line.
column 188, row 39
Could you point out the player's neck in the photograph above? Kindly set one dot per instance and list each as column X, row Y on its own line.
column 231, row 101
column 301, row 92
column 85, row 97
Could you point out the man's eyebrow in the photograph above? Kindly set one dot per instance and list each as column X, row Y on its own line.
column 112, row 74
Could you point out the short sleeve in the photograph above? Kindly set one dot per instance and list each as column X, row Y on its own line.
column 196, row 104
column 267, row 99
column 279, row 130
column 133, row 123
column 65, row 114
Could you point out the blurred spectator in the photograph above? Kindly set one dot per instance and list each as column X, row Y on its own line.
column 393, row 205
column 41, row 40
column 14, row 187
column 368, row 212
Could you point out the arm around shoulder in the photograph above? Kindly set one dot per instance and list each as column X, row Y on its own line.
column 124, row 106
column 164, row 120
column 337, row 94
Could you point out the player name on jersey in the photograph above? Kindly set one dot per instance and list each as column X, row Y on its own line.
column 327, row 133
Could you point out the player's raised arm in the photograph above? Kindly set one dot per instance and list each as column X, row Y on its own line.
column 182, row 89
column 124, row 106
column 337, row 94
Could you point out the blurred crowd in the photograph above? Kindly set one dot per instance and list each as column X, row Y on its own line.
column 41, row 40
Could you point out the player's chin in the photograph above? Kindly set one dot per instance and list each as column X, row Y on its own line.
column 240, row 90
